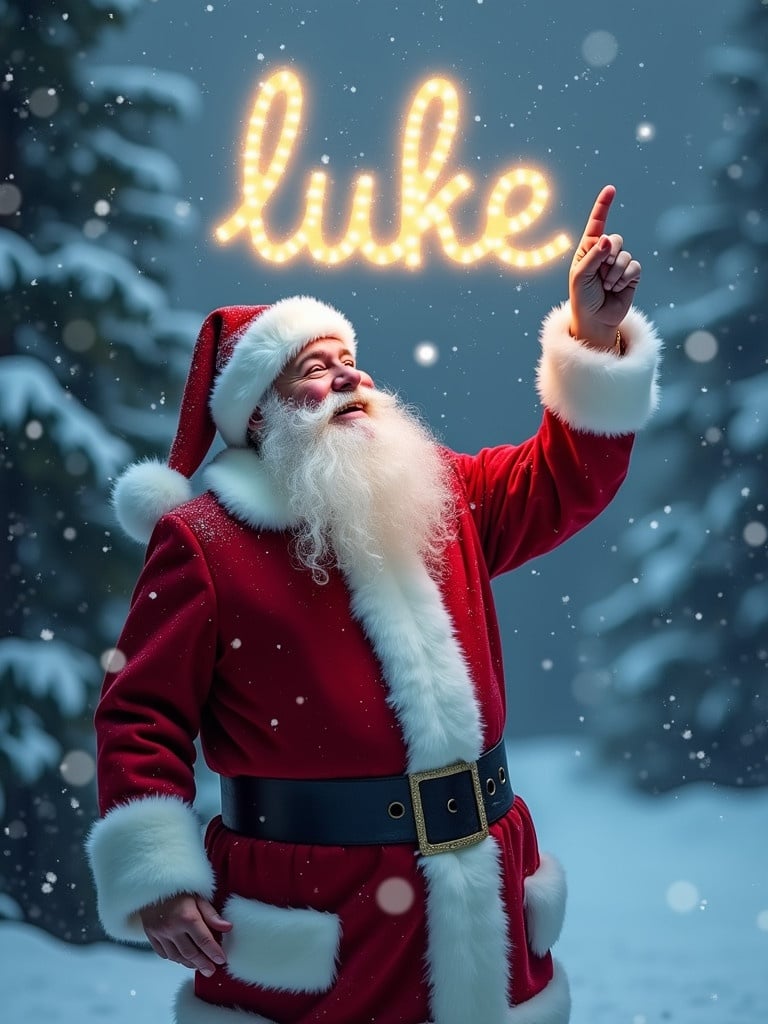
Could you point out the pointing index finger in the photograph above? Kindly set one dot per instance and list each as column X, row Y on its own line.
column 599, row 215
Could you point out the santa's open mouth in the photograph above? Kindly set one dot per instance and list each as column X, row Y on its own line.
column 350, row 411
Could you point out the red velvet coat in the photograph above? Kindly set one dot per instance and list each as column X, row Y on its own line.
column 283, row 677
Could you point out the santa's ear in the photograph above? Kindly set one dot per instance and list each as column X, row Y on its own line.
column 256, row 420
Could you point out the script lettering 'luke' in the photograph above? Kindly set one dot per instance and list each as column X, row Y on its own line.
column 427, row 199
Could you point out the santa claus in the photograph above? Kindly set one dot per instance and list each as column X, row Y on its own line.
column 322, row 618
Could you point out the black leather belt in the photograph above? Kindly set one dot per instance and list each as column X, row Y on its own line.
column 440, row 810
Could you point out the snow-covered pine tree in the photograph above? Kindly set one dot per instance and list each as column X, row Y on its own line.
column 678, row 676
column 89, row 350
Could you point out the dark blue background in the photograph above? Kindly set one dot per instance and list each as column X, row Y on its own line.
column 528, row 96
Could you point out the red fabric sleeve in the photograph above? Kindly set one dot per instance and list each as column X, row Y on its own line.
column 149, row 712
column 528, row 498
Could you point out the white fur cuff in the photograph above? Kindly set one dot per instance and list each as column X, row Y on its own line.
column 599, row 392
column 142, row 852
column 545, row 896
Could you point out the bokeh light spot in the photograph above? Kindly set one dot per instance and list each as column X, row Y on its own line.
column 755, row 534
column 79, row 335
column 701, row 346
column 599, row 48
column 426, row 353
column 10, row 198
column 113, row 660
column 43, row 102
column 77, row 768
column 682, row 897
column 395, row 896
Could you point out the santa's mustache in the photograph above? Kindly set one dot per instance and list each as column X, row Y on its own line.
column 371, row 400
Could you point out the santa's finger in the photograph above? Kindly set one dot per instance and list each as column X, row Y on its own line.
column 617, row 244
column 599, row 215
column 630, row 277
column 616, row 269
column 157, row 947
column 194, row 956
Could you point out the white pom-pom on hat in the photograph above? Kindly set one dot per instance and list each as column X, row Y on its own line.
column 144, row 493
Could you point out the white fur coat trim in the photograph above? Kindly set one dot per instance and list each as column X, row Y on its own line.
column 551, row 1006
column 430, row 689
column 467, row 946
column 432, row 695
column 142, row 852
column 188, row 1009
column 291, row 949
column 599, row 392
column 545, row 897
column 241, row 483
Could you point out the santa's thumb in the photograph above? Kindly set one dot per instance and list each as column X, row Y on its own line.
column 594, row 258
column 212, row 917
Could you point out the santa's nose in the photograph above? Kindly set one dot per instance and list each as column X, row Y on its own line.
column 346, row 378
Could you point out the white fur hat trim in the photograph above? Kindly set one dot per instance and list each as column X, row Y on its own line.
column 270, row 341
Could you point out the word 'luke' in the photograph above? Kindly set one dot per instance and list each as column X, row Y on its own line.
column 424, row 206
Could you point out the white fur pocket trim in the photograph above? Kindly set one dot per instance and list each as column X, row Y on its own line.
column 550, row 1006
column 545, row 896
column 286, row 948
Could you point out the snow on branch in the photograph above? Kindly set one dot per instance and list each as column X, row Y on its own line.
column 27, row 745
column 147, row 86
column 19, row 261
column 148, row 166
column 729, row 62
column 29, row 388
column 50, row 668
column 642, row 664
column 124, row 6
column 683, row 226
column 748, row 429
column 99, row 275
column 708, row 310
column 175, row 213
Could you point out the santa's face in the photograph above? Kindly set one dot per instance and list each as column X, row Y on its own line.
column 362, row 494
column 324, row 367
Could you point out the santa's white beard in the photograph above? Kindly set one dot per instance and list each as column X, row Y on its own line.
column 364, row 491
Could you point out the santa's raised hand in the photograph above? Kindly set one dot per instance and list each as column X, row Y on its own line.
column 602, row 280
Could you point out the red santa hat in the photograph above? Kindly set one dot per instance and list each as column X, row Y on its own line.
column 239, row 353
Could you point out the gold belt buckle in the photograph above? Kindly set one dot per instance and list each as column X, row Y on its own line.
column 416, row 778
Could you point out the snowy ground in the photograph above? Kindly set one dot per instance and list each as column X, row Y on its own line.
column 667, row 923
